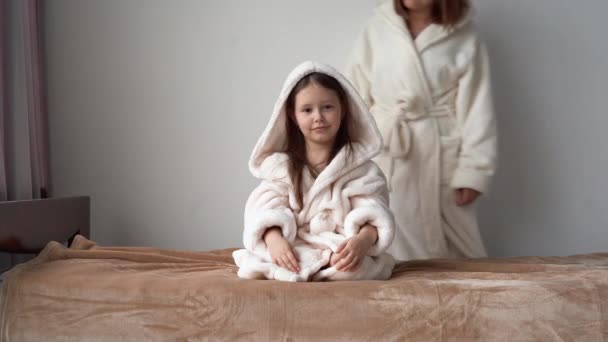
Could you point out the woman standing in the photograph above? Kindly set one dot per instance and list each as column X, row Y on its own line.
column 424, row 73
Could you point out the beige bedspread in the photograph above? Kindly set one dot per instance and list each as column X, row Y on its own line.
column 88, row 292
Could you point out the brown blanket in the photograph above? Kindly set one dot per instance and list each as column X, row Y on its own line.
column 97, row 293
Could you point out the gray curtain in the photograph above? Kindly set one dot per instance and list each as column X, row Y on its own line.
column 24, row 167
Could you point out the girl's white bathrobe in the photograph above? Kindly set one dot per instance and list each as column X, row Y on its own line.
column 432, row 102
column 346, row 195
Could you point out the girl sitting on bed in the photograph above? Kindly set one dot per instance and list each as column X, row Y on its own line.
column 321, row 211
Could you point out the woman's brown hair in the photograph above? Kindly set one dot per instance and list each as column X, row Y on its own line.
column 296, row 146
column 445, row 12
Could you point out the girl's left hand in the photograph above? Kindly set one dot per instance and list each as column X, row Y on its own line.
column 466, row 196
column 351, row 252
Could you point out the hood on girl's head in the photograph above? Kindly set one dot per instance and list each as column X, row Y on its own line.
column 362, row 128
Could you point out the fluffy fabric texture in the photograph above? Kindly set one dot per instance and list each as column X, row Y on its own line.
column 95, row 293
column 432, row 101
column 348, row 194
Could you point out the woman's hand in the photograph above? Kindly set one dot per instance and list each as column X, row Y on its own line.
column 280, row 251
column 351, row 252
column 466, row 196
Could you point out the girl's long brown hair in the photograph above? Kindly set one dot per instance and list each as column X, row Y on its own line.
column 445, row 12
column 296, row 146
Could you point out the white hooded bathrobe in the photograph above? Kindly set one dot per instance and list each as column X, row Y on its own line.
column 432, row 102
column 347, row 194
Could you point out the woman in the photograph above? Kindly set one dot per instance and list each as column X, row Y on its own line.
column 424, row 73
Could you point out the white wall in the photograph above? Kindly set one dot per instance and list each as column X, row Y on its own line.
column 550, row 63
column 155, row 106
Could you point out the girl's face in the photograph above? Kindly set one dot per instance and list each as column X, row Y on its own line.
column 418, row 5
column 318, row 114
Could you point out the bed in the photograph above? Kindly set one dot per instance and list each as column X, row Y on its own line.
column 90, row 292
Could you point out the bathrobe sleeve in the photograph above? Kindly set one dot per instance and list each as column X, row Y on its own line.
column 358, row 67
column 268, row 206
column 369, row 201
column 475, row 115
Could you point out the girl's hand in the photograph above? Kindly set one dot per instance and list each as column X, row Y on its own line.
column 466, row 196
column 351, row 252
column 280, row 251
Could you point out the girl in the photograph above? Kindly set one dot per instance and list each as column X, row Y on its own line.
column 321, row 211
column 424, row 74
